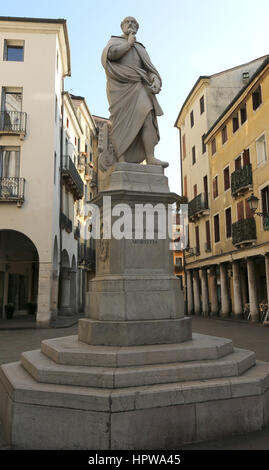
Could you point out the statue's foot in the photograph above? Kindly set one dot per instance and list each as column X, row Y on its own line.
column 154, row 161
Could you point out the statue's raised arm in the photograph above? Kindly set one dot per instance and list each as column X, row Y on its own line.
column 132, row 85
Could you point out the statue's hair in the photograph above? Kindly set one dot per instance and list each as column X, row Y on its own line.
column 127, row 17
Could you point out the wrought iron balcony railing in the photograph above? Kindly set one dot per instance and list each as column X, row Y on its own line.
column 198, row 206
column 12, row 190
column 72, row 177
column 241, row 180
column 66, row 223
column 13, row 122
column 244, row 232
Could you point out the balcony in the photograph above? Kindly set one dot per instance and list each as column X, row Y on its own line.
column 12, row 190
column 241, row 180
column 66, row 223
column 198, row 207
column 244, row 232
column 72, row 178
column 13, row 122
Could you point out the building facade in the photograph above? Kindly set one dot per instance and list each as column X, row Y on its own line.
column 41, row 139
column 231, row 276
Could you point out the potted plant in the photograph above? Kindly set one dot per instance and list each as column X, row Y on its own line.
column 9, row 310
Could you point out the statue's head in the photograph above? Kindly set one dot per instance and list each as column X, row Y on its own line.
column 129, row 25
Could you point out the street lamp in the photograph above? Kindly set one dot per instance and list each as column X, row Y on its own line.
column 253, row 204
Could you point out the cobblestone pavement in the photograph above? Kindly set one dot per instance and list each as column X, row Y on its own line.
column 254, row 337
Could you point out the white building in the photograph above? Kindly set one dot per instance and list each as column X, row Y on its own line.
column 40, row 134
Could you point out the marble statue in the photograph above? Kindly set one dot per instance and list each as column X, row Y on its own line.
column 132, row 85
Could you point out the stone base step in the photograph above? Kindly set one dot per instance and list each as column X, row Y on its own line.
column 45, row 370
column 48, row 416
column 70, row 351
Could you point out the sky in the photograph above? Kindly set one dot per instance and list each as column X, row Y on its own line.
column 185, row 39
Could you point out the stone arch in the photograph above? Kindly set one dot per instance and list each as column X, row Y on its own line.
column 19, row 272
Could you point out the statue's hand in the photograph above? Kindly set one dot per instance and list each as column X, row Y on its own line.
column 131, row 39
column 155, row 86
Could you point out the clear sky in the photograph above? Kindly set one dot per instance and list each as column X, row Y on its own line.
column 185, row 39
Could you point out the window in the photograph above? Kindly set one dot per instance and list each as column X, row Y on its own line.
column 203, row 144
column 197, row 240
column 13, row 50
column 237, row 163
column 195, row 190
column 185, row 186
column 67, row 122
column 192, row 119
column 57, row 61
column 206, row 191
column 226, row 178
column 235, row 123
column 216, row 228
column 208, row 238
column 246, row 157
column 228, row 220
column 240, row 211
column 202, row 105
column 193, row 155
column 184, row 146
column 249, row 213
column 213, row 146
column 261, row 150
column 224, row 135
column 265, row 202
column 91, row 157
column 178, row 262
column 257, row 98
column 9, row 162
column 243, row 113
column 215, row 187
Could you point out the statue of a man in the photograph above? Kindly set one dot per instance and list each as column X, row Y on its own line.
column 132, row 83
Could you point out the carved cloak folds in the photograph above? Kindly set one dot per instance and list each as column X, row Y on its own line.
column 131, row 100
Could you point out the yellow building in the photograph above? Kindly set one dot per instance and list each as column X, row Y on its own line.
column 236, row 273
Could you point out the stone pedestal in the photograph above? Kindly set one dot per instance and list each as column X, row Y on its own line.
column 135, row 377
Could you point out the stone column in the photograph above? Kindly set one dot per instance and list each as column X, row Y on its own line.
column 196, row 292
column 244, row 287
column 189, row 292
column 252, row 289
column 43, row 316
column 225, row 299
column 266, row 260
column 237, row 310
column 213, row 288
column 205, row 300
column 54, row 295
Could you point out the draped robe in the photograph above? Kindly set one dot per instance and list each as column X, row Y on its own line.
column 130, row 99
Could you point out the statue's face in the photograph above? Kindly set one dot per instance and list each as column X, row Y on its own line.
column 129, row 25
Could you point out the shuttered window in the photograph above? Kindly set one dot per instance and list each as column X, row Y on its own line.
column 226, row 178
column 228, row 220
column 216, row 228
column 215, row 187
column 240, row 210
column 197, row 239
column 184, row 146
column 208, row 238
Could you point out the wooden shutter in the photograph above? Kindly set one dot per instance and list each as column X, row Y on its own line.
column 240, row 210
column 195, row 190
column 237, row 163
column 215, row 187
column 197, row 238
column 184, row 146
column 228, row 217
column 185, row 186
column 226, row 174
column 207, row 231
column 249, row 213
column 216, row 228
column 246, row 157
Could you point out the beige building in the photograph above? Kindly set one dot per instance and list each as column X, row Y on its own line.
column 204, row 104
column 42, row 135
